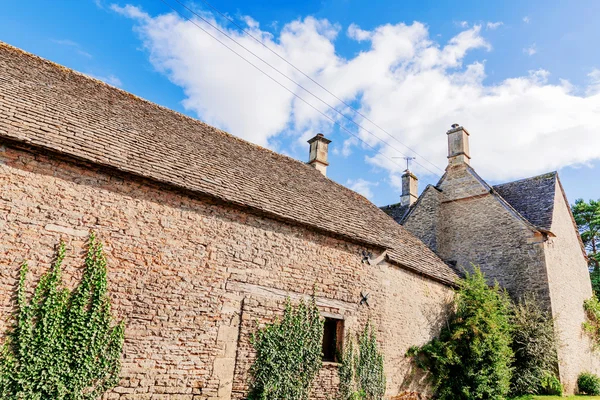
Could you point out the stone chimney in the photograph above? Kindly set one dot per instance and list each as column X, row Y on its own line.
column 318, row 153
column 458, row 146
column 409, row 189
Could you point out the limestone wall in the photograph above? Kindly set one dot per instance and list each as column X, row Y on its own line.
column 482, row 232
column 193, row 277
column 423, row 220
column 475, row 227
column 570, row 285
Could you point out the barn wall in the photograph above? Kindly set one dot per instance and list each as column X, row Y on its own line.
column 194, row 278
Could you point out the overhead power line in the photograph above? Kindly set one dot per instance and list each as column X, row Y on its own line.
column 294, row 82
column 308, row 77
column 298, row 96
column 283, row 86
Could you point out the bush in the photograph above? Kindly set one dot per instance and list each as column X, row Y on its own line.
column 361, row 373
column 63, row 345
column 534, row 346
column 589, row 384
column 472, row 357
column 550, row 385
column 288, row 354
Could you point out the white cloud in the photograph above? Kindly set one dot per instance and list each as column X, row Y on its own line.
column 594, row 86
column 405, row 81
column 526, row 19
column 354, row 32
column 110, row 79
column 531, row 50
column 362, row 187
column 494, row 25
column 74, row 45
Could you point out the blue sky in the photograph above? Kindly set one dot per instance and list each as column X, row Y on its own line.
column 522, row 77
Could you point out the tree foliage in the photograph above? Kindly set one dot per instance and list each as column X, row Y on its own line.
column 361, row 371
column 587, row 217
column 533, row 342
column 63, row 345
column 289, row 354
column 472, row 358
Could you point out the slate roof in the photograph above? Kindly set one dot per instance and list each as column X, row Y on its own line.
column 532, row 197
column 396, row 211
column 50, row 107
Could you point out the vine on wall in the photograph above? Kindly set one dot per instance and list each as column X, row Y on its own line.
column 592, row 324
column 361, row 371
column 289, row 354
column 63, row 344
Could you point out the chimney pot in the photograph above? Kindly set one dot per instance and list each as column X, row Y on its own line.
column 458, row 146
column 317, row 157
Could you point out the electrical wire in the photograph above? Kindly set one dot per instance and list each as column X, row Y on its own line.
column 286, row 88
column 309, row 77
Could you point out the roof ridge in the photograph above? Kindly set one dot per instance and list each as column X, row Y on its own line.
column 67, row 112
column 554, row 173
column 138, row 98
column 519, row 195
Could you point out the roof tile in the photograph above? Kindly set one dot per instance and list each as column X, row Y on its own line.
column 49, row 106
column 532, row 197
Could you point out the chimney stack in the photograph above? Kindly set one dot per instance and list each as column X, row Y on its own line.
column 458, row 146
column 410, row 192
column 318, row 153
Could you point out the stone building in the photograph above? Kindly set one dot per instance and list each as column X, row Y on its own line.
column 522, row 234
column 206, row 235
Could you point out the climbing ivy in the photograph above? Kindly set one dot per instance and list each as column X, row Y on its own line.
column 288, row 354
column 63, row 344
column 592, row 324
column 361, row 371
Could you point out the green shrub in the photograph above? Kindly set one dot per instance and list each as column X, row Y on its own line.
column 533, row 343
column 592, row 325
column 288, row 354
column 63, row 345
column 550, row 385
column 361, row 372
column 472, row 357
column 588, row 383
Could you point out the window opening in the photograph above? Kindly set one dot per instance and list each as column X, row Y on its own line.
column 333, row 334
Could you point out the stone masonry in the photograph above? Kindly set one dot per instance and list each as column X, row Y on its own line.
column 521, row 234
column 193, row 277
column 206, row 235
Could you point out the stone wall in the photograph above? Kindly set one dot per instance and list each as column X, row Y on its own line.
column 475, row 227
column 192, row 276
column 423, row 220
column 570, row 285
